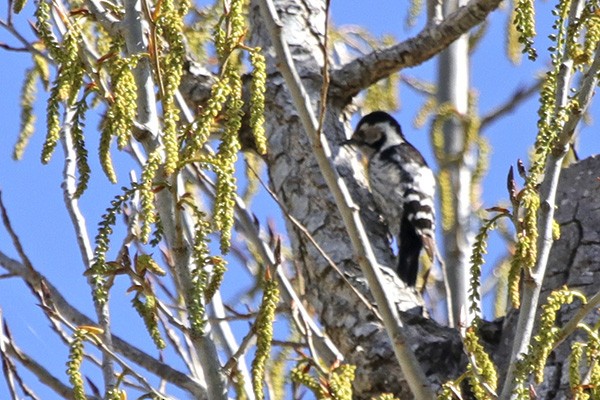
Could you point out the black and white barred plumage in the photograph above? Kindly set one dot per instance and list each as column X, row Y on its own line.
column 403, row 187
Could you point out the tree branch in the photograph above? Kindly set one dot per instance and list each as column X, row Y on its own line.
column 361, row 73
column 509, row 105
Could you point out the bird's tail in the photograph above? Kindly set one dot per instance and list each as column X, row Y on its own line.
column 408, row 259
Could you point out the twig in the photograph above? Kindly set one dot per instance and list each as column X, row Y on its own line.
column 509, row 105
column 13, row 235
column 573, row 323
column 411, row 368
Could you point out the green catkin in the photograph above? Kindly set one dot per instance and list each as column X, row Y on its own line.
column 146, row 190
column 524, row 21
column 81, row 153
column 76, row 355
column 483, row 375
column 169, row 26
column 99, row 269
column 199, row 274
column 148, row 311
column 257, row 100
column 28, row 96
column 264, row 335
column 122, row 111
column 225, row 163
column 74, row 364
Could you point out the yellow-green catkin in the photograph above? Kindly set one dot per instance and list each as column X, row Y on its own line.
column 526, row 244
column 201, row 128
column 543, row 342
column 67, row 84
column 44, row 28
column 76, row 355
column 477, row 261
column 383, row 95
column 340, row 382
column 74, row 364
column 446, row 199
column 257, row 99
column 122, row 110
column 81, row 153
column 300, row 375
column 447, row 391
column 337, row 384
column 416, row 7
column 147, row 194
column 428, row 108
column 219, row 267
column 483, row 374
column 104, row 155
column 199, row 273
column 147, row 309
column 169, row 26
column 575, row 358
column 28, row 96
column 98, row 271
column 225, row 163
column 524, row 21
column 39, row 71
column 264, row 334
column 513, row 46
column 18, row 5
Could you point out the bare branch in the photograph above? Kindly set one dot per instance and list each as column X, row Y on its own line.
column 361, row 73
column 509, row 105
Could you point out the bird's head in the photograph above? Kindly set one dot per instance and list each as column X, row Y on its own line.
column 375, row 131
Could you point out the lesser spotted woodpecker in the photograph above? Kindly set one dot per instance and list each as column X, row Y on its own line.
column 403, row 187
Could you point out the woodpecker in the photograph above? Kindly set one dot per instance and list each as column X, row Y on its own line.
column 403, row 187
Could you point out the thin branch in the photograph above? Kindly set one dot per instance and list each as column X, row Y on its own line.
column 573, row 323
column 361, row 73
column 26, row 43
column 509, row 105
column 13, row 235
column 411, row 368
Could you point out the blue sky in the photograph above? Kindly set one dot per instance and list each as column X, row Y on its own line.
column 33, row 196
